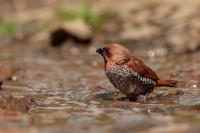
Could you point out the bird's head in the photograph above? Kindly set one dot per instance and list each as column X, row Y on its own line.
column 114, row 53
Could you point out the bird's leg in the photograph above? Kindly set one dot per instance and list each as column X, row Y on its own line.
column 146, row 97
column 132, row 98
column 116, row 94
column 148, row 91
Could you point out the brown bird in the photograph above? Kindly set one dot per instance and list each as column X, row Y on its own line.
column 129, row 74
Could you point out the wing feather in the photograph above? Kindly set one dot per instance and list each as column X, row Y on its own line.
column 143, row 70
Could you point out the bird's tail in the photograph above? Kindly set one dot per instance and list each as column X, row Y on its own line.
column 167, row 83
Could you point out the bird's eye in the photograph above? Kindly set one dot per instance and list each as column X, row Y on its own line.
column 106, row 51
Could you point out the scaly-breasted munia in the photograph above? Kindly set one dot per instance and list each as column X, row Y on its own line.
column 129, row 74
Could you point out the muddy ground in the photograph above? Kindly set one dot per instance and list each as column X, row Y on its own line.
column 48, row 89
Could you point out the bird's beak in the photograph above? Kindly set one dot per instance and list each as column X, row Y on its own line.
column 100, row 51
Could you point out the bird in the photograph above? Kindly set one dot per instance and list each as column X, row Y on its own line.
column 129, row 74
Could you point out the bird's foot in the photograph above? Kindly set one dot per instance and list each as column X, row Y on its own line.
column 123, row 99
column 116, row 96
column 146, row 97
column 132, row 98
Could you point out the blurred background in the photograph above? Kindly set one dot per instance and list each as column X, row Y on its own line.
column 55, row 82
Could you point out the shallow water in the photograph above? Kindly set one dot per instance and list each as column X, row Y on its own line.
column 72, row 93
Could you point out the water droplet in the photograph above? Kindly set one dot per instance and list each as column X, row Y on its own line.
column 194, row 86
column 149, row 111
column 151, row 53
column 14, row 78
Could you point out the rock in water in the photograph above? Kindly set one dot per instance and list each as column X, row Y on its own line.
column 76, row 30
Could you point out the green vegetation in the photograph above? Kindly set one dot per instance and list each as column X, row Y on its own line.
column 7, row 28
column 65, row 14
column 95, row 20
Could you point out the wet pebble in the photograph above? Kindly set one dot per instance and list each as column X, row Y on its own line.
column 125, row 105
column 15, row 104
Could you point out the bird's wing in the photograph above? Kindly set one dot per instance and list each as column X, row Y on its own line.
column 143, row 70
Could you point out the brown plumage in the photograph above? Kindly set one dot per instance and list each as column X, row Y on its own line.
column 128, row 73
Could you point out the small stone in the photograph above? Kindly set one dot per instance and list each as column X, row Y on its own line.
column 124, row 105
column 77, row 31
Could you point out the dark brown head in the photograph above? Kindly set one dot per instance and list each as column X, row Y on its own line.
column 114, row 53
